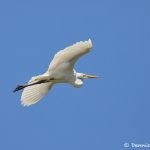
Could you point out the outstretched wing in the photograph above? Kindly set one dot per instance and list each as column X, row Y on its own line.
column 70, row 54
column 32, row 94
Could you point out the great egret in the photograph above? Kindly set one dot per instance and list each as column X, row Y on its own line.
column 60, row 70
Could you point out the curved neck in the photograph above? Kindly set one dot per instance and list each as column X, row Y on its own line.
column 78, row 79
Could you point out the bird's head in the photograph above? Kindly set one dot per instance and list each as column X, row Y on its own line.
column 80, row 77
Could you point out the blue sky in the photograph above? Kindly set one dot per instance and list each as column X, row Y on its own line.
column 103, row 114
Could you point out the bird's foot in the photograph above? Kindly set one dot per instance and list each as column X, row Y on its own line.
column 19, row 87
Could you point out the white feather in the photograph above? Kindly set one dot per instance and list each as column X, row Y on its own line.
column 33, row 94
column 61, row 70
column 70, row 54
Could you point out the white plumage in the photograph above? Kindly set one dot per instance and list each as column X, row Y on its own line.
column 60, row 70
column 32, row 94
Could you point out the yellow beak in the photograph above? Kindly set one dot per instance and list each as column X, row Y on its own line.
column 90, row 76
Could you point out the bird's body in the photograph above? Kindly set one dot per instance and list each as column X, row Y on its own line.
column 60, row 70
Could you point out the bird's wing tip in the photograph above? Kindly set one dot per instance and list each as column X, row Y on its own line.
column 25, row 104
column 90, row 42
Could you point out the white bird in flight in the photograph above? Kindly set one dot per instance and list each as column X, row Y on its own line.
column 60, row 70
